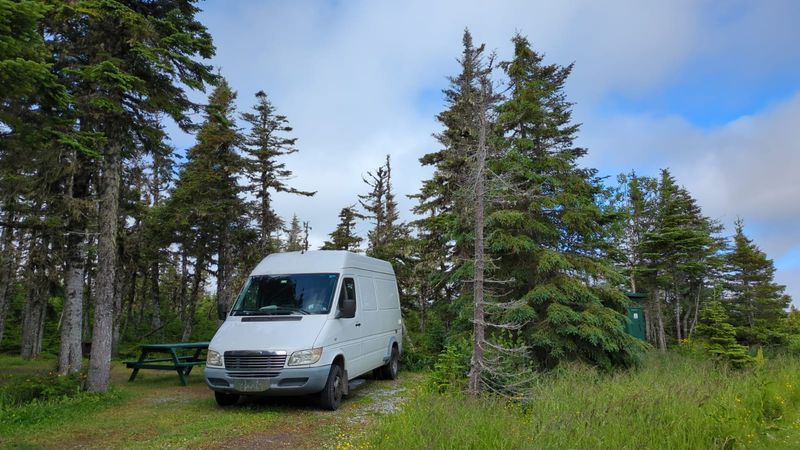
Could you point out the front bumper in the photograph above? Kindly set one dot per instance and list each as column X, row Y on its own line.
column 294, row 381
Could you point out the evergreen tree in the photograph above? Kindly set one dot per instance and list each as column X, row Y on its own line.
column 756, row 302
column 445, row 209
column 124, row 64
column 344, row 237
column 680, row 251
column 294, row 238
column 721, row 335
column 381, row 207
column 306, row 230
column 264, row 145
column 549, row 233
column 639, row 202
column 205, row 207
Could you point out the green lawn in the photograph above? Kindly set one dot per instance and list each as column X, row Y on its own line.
column 156, row 412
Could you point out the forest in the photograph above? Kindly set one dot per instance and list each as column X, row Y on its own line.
column 515, row 264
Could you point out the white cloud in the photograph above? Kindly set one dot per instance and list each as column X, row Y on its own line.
column 747, row 168
column 350, row 76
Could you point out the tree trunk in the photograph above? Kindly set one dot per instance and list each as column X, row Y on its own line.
column 477, row 363
column 7, row 265
column 678, row 334
column 155, row 294
column 224, row 272
column 182, row 290
column 661, row 333
column 100, row 360
column 36, row 305
column 188, row 320
column 119, row 283
column 70, row 358
column 89, row 307
column 696, row 311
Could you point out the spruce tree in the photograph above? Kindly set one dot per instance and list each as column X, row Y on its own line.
column 756, row 302
column 265, row 144
column 206, row 209
column 548, row 232
column 720, row 335
column 344, row 236
column 380, row 206
column 638, row 205
column 124, row 63
column 441, row 201
column 681, row 255
column 294, row 236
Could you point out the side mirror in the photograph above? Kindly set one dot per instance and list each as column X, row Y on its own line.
column 222, row 312
column 348, row 309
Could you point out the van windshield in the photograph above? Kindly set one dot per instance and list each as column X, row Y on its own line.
column 286, row 294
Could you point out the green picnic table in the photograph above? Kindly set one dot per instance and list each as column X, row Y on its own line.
column 181, row 363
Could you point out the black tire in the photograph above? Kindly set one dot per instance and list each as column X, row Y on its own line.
column 390, row 370
column 331, row 396
column 225, row 399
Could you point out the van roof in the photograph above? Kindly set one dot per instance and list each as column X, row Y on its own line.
column 319, row 261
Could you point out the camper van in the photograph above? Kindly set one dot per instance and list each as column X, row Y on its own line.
column 307, row 323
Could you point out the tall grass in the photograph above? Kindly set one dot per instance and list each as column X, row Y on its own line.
column 675, row 401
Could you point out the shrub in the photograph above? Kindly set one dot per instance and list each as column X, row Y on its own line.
column 450, row 370
column 41, row 387
column 721, row 336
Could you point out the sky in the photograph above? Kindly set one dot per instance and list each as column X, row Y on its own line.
column 710, row 90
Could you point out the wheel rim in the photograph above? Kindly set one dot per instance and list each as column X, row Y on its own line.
column 394, row 365
column 337, row 389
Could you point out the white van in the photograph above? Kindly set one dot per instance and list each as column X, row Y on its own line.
column 307, row 323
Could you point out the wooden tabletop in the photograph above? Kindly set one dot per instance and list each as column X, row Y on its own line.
column 176, row 345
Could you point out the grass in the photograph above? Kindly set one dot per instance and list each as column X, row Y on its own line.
column 675, row 401
column 156, row 412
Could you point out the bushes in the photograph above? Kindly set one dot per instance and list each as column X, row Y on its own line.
column 41, row 387
column 721, row 336
column 450, row 370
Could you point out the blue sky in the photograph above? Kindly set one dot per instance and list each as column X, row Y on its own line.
column 709, row 89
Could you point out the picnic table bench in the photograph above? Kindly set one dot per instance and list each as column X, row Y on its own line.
column 182, row 364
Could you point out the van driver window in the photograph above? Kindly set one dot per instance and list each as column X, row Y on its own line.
column 348, row 291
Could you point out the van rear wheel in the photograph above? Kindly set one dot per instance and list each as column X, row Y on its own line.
column 390, row 370
column 331, row 396
column 225, row 399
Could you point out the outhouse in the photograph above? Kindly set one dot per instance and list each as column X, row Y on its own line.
column 635, row 323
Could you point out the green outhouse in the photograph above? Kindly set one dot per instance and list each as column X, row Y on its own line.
column 635, row 323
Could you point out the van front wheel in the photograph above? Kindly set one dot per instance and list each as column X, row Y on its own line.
column 390, row 369
column 331, row 396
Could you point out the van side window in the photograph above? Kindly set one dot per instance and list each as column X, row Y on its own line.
column 348, row 293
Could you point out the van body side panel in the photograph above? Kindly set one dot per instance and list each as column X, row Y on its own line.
column 373, row 328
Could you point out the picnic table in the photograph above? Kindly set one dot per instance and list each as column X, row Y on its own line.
column 181, row 363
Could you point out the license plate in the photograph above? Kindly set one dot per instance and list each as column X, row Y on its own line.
column 253, row 385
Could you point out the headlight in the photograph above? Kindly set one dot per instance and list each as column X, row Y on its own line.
column 213, row 359
column 304, row 357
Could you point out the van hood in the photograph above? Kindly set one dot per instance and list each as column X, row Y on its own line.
column 273, row 333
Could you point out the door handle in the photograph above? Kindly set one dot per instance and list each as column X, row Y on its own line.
column 358, row 324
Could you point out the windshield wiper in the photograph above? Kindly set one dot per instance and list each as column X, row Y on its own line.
column 275, row 309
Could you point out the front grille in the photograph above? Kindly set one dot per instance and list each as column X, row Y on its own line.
column 253, row 364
